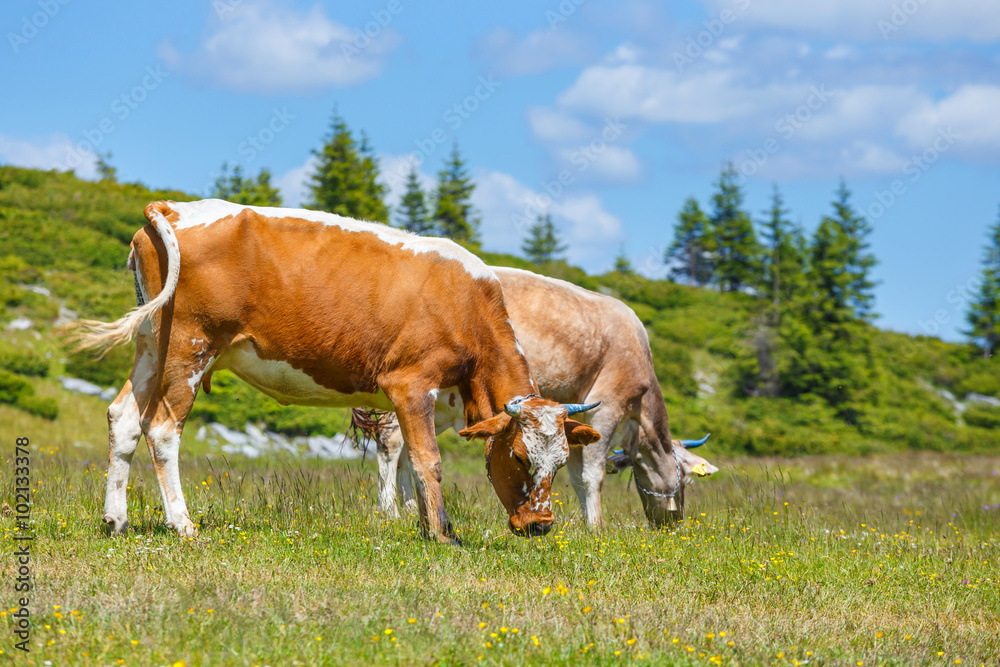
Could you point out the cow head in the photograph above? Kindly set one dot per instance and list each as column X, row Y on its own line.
column 525, row 445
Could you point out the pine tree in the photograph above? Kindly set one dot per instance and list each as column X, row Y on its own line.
column 346, row 177
column 104, row 168
column 784, row 262
column 827, row 349
column 454, row 216
column 232, row 186
column 623, row 264
column 414, row 215
column 783, row 282
column 542, row 243
column 737, row 254
column 984, row 311
column 859, row 261
column 690, row 253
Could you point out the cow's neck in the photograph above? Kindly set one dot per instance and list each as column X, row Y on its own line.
column 498, row 379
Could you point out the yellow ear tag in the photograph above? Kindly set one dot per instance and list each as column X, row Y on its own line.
column 700, row 470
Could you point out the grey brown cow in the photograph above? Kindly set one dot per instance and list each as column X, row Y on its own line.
column 591, row 348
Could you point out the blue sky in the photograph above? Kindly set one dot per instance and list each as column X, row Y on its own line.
column 634, row 105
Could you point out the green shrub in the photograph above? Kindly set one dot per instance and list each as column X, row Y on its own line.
column 24, row 362
column 981, row 381
column 111, row 371
column 674, row 367
column 983, row 416
column 40, row 406
column 13, row 387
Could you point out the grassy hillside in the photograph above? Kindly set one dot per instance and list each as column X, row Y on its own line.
column 71, row 238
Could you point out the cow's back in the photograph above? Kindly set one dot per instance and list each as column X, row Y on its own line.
column 573, row 337
column 338, row 299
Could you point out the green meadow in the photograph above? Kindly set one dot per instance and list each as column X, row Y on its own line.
column 833, row 560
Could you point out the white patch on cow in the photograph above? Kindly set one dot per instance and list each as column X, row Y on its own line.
column 142, row 283
column 446, row 415
column 434, row 393
column 288, row 385
column 546, row 445
column 197, row 375
column 517, row 344
column 208, row 211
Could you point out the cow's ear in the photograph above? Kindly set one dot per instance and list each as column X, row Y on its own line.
column 486, row 429
column 578, row 434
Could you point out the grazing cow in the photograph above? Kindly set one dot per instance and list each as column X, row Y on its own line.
column 591, row 348
column 318, row 309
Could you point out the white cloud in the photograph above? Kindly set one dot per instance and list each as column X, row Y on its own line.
column 660, row 95
column 537, row 52
column 608, row 163
column 56, row 152
column 841, row 52
column 920, row 20
column 294, row 183
column 556, row 126
column 970, row 113
column 509, row 206
column 261, row 47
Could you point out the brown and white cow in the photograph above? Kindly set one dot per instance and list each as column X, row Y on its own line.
column 590, row 348
column 318, row 309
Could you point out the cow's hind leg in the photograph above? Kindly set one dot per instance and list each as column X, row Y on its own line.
column 162, row 424
column 124, row 430
column 404, row 481
column 389, row 447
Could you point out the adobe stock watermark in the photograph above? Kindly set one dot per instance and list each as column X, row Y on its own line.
column 958, row 298
column 562, row 12
column 714, row 28
column 31, row 25
column 914, row 167
column 121, row 108
column 453, row 118
column 255, row 144
column 786, row 127
column 364, row 36
column 900, row 16
column 581, row 159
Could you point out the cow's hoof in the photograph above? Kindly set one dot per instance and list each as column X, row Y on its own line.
column 184, row 529
column 118, row 526
column 450, row 540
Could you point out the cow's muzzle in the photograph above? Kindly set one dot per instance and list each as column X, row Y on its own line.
column 531, row 524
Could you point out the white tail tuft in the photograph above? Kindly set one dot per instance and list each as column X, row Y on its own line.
column 97, row 335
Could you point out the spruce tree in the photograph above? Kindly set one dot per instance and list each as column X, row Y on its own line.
column 346, row 178
column 984, row 311
column 542, row 242
column 623, row 264
column 859, row 260
column 827, row 349
column 784, row 259
column 737, row 254
column 690, row 253
column 232, row 186
column 454, row 216
column 414, row 215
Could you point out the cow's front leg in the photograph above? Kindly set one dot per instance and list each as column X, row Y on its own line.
column 124, row 430
column 416, row 419
column 586, row 464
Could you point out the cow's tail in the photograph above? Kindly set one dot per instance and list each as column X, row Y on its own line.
column 102, row 336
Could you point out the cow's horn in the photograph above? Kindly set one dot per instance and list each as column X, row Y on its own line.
column 512, row 410
column 580, row 407
column 691, row 444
